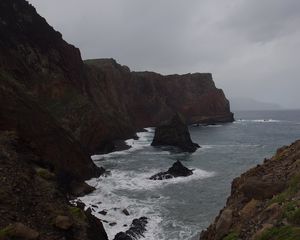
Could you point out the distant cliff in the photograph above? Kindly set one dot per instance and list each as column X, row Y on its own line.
column 148, row 98
column 264, row 202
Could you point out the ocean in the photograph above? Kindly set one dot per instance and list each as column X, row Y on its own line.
column 180, row 208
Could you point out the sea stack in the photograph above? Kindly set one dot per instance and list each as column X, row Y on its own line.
column 177, row 170
column 174, row 133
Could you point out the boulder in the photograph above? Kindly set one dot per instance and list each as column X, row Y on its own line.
column 63, row 222
column 125, row 211
column 136, row 230
column 174, row 133
column 177, row 170
column 79, row 189
column 103, row 212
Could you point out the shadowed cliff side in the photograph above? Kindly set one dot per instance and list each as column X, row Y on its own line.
column 99, row 101
column 32, row 203
column 264, row 202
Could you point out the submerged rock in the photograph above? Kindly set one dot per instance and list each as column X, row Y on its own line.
column 125, row 211
column 136, row 230
column 174, row 133
column 177, row 170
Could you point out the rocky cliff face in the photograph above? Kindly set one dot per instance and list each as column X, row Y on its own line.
column 264, row 202
column 150, row 98
column 33, row 204
column 61, row 109
column 98, row 101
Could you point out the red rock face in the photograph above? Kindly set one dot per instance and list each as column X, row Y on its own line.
column 99, row 101
column 150, row 98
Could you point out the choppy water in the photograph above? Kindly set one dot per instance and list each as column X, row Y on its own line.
column 180, row 208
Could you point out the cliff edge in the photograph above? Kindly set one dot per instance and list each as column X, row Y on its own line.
column 264, row 202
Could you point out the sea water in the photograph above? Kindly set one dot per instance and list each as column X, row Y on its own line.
column 180, row 208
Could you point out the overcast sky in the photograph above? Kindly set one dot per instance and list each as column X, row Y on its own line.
column 252, row 47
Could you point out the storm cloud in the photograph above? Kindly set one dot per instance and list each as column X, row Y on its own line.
column 251, row 47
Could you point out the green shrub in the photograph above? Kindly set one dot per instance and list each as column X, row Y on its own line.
column 281, row 233
column 44, row 173
column 77, row 213
column 232, row 236
column 294, row 217
column 5, row 232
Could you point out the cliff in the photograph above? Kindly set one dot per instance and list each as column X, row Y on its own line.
column 99, row 101
column 150, row 98
column 55, row 110
column 264, row 201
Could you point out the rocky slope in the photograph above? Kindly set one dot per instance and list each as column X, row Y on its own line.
column 33, row 204
column 264, row 203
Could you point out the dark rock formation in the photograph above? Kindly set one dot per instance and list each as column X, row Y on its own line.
column 174, row 133
column 61, row 109
column 98, row 101
column 32, row 202
column 136, row 230
column 177, row 170
column 264, row 201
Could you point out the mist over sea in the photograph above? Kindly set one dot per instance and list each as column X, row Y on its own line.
column 180, row 208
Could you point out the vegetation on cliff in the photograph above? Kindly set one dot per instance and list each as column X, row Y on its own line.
column 264, row 203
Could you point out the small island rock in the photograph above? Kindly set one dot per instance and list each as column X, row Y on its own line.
column 174, row 133
column 177, row 170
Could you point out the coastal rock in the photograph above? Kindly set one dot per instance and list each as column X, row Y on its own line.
column 80, row 189
column 264, row 201
column 136, row 230
column 174, row 133
column 223, row 224
column 125, row 211
column 177, row 170
column 103, row 212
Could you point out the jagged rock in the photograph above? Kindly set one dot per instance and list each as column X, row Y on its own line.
column 174, row 133
column 136, row 230
column 125, row 211
column 177, row 170
column 19, row 230
column 63, row 222
column 80, row 204
column 80, row 189
column 103, row 212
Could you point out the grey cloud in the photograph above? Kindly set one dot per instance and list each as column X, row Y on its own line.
column 250, row 46
column 264, row 20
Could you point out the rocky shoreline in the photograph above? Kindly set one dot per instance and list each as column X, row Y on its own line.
column 56, row 110
column 264, row 201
